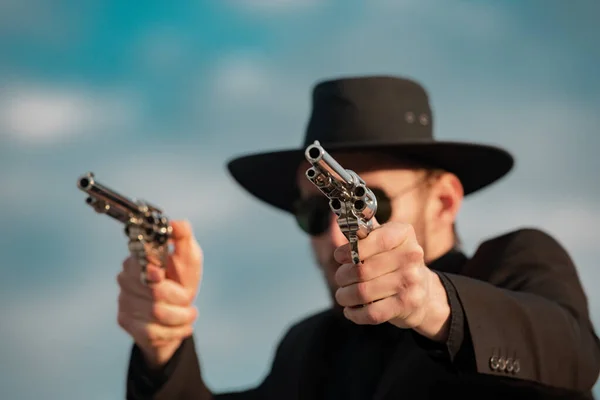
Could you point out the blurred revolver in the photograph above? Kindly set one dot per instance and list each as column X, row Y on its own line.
column 146, row 227
column 350, row 199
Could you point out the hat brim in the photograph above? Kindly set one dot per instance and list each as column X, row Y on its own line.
column 271, row 176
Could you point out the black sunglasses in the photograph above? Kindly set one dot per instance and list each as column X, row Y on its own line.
column 313, row 213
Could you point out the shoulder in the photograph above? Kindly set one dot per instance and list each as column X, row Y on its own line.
column 310, row 324
column 524, row 251
column 299, row 340
column 301, row 332
column 526, row 240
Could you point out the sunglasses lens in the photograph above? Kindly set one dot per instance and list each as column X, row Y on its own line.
column 384, row 206
column 313, row 215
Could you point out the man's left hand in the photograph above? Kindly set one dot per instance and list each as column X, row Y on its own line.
column 392, row 283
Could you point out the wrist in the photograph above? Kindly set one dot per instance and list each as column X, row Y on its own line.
column 157, row 357
column 436, row 324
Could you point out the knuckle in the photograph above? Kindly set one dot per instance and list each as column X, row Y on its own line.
column 157, row 292
column 393, row 234
column 413, row 298
column 190, row 295
column 123, row 320
column 123, row 280
column 383, row 239
column 192, row 312
column 340, row 276
column 120, row 279
column 400, row 284
column 374, row 316
column 362, row 271
column 182, row 331
column 415, row 253
column 362, row 291
column 158, row 311
column 411, row 276
column 149, row 332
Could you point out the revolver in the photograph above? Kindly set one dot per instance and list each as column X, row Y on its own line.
column 350, row 199
column 147, row 229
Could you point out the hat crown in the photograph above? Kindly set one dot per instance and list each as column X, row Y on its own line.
column 369, row 109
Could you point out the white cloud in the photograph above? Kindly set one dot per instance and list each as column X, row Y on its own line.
column 248, row 82
column 35, row 114
column 240, row 77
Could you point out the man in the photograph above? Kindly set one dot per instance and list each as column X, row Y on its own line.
column 417, row 318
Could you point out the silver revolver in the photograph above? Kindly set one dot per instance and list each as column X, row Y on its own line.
column 147, row 229
column 350, row 199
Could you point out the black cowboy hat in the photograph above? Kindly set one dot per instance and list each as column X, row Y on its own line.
column 376, row 113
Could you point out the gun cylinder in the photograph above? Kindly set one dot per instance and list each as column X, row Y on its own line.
column 88, row 184
column 366, row 208
column 317, row 155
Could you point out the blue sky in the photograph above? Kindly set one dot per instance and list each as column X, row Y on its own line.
column 155, row 99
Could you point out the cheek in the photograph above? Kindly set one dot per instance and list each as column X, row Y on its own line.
column 405, row 210
column 321, row 245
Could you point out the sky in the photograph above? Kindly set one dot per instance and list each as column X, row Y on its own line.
column 155, row 99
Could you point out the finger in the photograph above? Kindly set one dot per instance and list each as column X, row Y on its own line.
column 371, row 268
column 154, row 274
column 185, row 246
column 185, row 264
column 129, row 279
column 385, row 238
column 166, row 291
column 156, row 312
column 154, row 334
column 133, row 270
column 366, row 292
column 374, row 313
column 171, row 292
column 132, row 286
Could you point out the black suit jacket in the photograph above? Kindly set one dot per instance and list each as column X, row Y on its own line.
column 520, row 329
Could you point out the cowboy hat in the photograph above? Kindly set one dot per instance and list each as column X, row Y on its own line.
column 375, row 113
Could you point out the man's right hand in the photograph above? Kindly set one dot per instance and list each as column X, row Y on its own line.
column 159, row 316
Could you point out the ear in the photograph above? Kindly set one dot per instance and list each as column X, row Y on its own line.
column 449, row 194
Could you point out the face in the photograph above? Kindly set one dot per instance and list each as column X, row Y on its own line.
column 428, row 202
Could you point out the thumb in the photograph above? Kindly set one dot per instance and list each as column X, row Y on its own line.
column 185, row 262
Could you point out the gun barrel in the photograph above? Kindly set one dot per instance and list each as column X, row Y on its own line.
column 317, row 155
column 88, row 184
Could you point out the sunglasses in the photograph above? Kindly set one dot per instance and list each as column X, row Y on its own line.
column 313, row 214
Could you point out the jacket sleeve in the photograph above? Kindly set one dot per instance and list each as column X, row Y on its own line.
column 179, row 379
column 526, row 314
